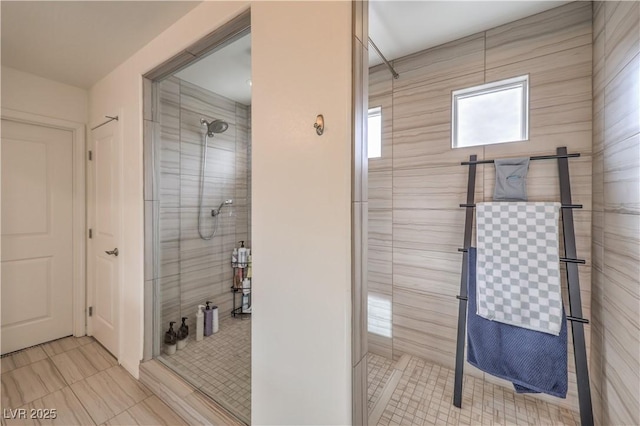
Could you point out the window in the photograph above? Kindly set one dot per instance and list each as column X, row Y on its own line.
column 374, row 132
column 492, row 113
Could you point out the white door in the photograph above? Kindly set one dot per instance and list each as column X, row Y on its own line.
column 37, row 250
column 104, row 263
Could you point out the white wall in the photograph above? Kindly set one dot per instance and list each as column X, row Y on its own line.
column 301, row 222
column 301, row 325
column 26, row 92
column 120, row 92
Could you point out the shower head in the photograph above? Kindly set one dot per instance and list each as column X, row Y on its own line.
column 216, row 212
column 214, row 126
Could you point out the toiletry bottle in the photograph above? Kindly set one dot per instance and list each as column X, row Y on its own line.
column 216, row 323
column 249, row 272
column 234, row 258
column 245, row 303
column 183, row 332
column 242, row 255
column 208, row 320
column 246, row 286
column 199, row 323
column 170, row 339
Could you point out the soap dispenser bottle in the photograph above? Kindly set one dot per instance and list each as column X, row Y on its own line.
column 208, row 320
column 170, row 339
column 242, row 255
column 183, row 332
column 199, row 323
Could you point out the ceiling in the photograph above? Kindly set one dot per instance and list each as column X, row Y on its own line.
column 79, row 42
column 399, row 28
column 226, row 71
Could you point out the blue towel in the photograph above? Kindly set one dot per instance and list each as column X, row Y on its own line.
column 534, row 361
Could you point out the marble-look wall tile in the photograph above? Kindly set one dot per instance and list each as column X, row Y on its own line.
column 193, row 270
column 380, row 82
column 428, row 229
column 380, row 189
column 622, row 100
column 168, row 242
column 204, row 102
column 622, row 176
column 622, row 40
column 380, row 263
column 616, row 218
column 543, row 34
column 434, row 187
column 425, row 182
column 445, row 62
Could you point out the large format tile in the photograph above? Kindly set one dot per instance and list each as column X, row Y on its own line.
column 109, row 393
column 622, row 103
column 22, row 358
column 559, row 78
column 151, row 411
column 622, row 41
column 68, row 410
column 26, row 384
column 82, row 362
column 444, row 62
column 621, row 187
column 429, row 229
column 65, row 344
column 545, row 33
column 423, row 188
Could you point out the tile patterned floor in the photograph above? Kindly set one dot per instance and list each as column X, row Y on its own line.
column 220, row 365
column 380, row 369
column 424, row 392
column 84, row 384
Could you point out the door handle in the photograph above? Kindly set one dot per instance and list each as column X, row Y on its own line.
column 113, row 252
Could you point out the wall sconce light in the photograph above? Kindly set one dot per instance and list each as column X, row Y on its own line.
column 319, row 125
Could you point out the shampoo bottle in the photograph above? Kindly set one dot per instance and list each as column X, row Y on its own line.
column 208, row 320
column 170, row 339
column 199, row 323
column 216, row 323
column 242, row 255
column 183, row 332
column 234, row 257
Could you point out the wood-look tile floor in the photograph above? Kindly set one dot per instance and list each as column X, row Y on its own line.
column 83, row 383
column 424, row 391
column 219, row 365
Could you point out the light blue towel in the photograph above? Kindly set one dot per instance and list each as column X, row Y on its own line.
column 532, row 360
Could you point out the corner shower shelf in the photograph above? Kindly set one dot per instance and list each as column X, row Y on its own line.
column 237, row 310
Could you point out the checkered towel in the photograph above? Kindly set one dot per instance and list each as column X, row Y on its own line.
column 518, row 265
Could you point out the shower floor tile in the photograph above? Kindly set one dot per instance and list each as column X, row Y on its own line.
column 219, row 365
column 423, row 396
column 379, row 372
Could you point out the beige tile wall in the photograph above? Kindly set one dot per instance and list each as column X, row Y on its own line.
column 191, row 270
column 615, row 351
column 415, row 223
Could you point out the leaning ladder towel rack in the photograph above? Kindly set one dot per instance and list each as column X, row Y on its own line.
column 573, row 281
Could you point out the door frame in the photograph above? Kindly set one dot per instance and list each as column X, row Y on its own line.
column 90, row 218
column 79, row 233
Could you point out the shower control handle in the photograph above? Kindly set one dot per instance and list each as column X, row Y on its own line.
column 113, row 252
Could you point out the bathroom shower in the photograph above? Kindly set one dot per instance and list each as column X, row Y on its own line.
column 213, row 127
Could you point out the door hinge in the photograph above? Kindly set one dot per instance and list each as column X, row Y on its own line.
column 90, row 155
column 90, row 233
column 90, row 311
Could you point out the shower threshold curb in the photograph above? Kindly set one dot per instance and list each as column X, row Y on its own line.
column 187, row 401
